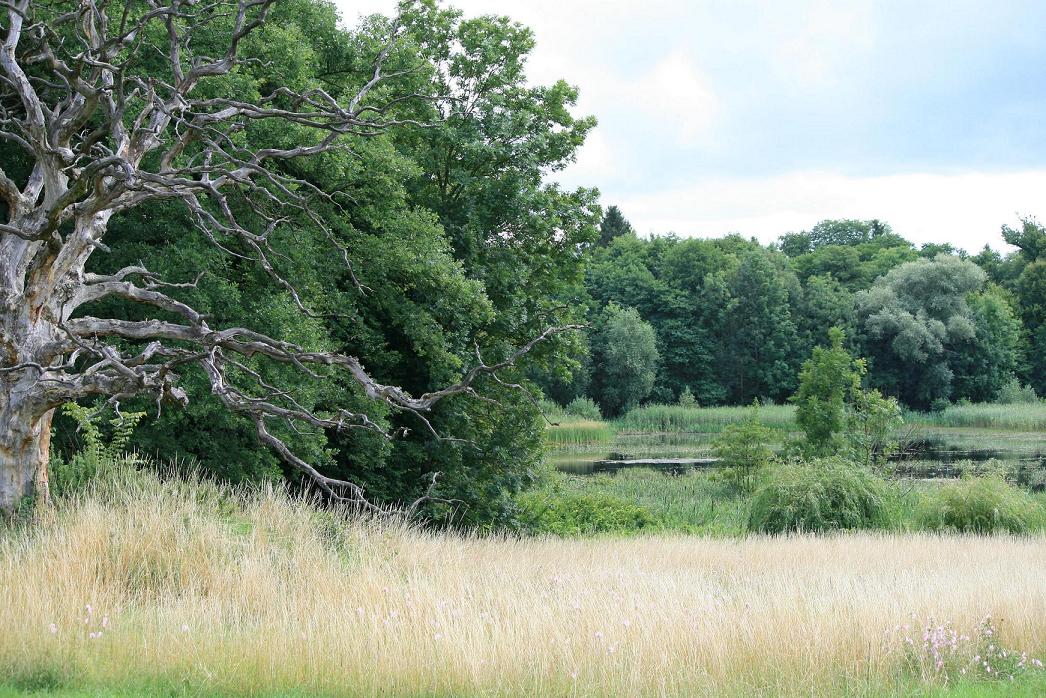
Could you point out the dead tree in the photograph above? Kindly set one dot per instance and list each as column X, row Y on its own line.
column 101, row 138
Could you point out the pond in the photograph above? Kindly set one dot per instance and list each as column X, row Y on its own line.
column 934, row 454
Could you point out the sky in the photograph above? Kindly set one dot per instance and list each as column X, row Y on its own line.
column 763, row 118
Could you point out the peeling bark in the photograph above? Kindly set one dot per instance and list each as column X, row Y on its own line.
column 25, row 444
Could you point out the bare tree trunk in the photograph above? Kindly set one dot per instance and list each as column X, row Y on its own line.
column 25, row 448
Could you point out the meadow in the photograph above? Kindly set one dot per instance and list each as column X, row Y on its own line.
column 148, row 586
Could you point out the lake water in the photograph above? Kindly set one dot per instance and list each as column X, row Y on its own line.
column 934, row 454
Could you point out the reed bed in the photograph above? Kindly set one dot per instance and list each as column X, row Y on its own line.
column 148, row 584
column 1018, row 417
column 580, row 432
column 676, row 418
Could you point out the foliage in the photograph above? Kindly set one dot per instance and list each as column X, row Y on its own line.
column 578, row 514
column 625, row 360
column 687, row 399
column 440, row 276
column 760, row 336
column 836, row 415
column 613, row 225
column 1013, row 393
column 694, row 501
column 821, row 495
column 583, row 407
column 103, row 442
column 983, row 504
column 828, row 383
column 984, row 363
column 744, row 452
column 872, row 428
column 912, row 318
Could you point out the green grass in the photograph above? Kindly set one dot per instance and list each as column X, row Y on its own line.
column 675, row 418
column 699, row 502
column 579, row 432
column 1018, row 417
column 694, row 502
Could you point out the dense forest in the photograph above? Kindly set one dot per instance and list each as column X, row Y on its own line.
column 733, row 320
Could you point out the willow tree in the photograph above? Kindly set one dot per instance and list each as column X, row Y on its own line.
column 112, row 105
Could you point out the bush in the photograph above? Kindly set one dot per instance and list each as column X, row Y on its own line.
column 821, row 495
column 103, row 442
column 985, row 504
column 1013, row 393
column 585, row 408
column 744, row 451
column 687, row 399
column 939, row 405
column 575, row 514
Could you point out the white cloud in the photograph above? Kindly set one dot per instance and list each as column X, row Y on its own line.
column 675, row 92
column 688, row 89
column 965, row 209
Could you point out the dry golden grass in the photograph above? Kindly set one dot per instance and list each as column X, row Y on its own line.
column 192, row 586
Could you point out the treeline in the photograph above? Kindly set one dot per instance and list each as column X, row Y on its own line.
column 729, row 320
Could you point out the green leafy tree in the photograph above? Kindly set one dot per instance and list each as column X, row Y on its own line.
column 625, row 359
column 828, row 382
column 613, row 225
column 847, row 232
column 451, row 235
column 837, row 416
column 760, row 339
column 825, row 303
column 911, row 319
column 873, row 428
column 983, row 364
column 744, row 451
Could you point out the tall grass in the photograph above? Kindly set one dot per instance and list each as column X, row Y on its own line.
column 694, row 501
column 580, row 432
column 147, row 584
column 1020, row 417
column 675, row 418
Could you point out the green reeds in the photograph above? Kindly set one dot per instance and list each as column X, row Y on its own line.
column 1018, row 417
column 583, row 432
column 675, row 418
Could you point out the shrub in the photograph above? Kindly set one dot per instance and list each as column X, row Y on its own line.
column 984, row 504
column 574, row 514
column 744, row 451
column 821, row 495
column 98, row 448
column 585, row 408
column 551, row 409
column 940, row 405
column 1013, row 393
column 687, row 399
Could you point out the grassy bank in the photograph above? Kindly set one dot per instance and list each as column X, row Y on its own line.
column 699, row 502
column 185, row 585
